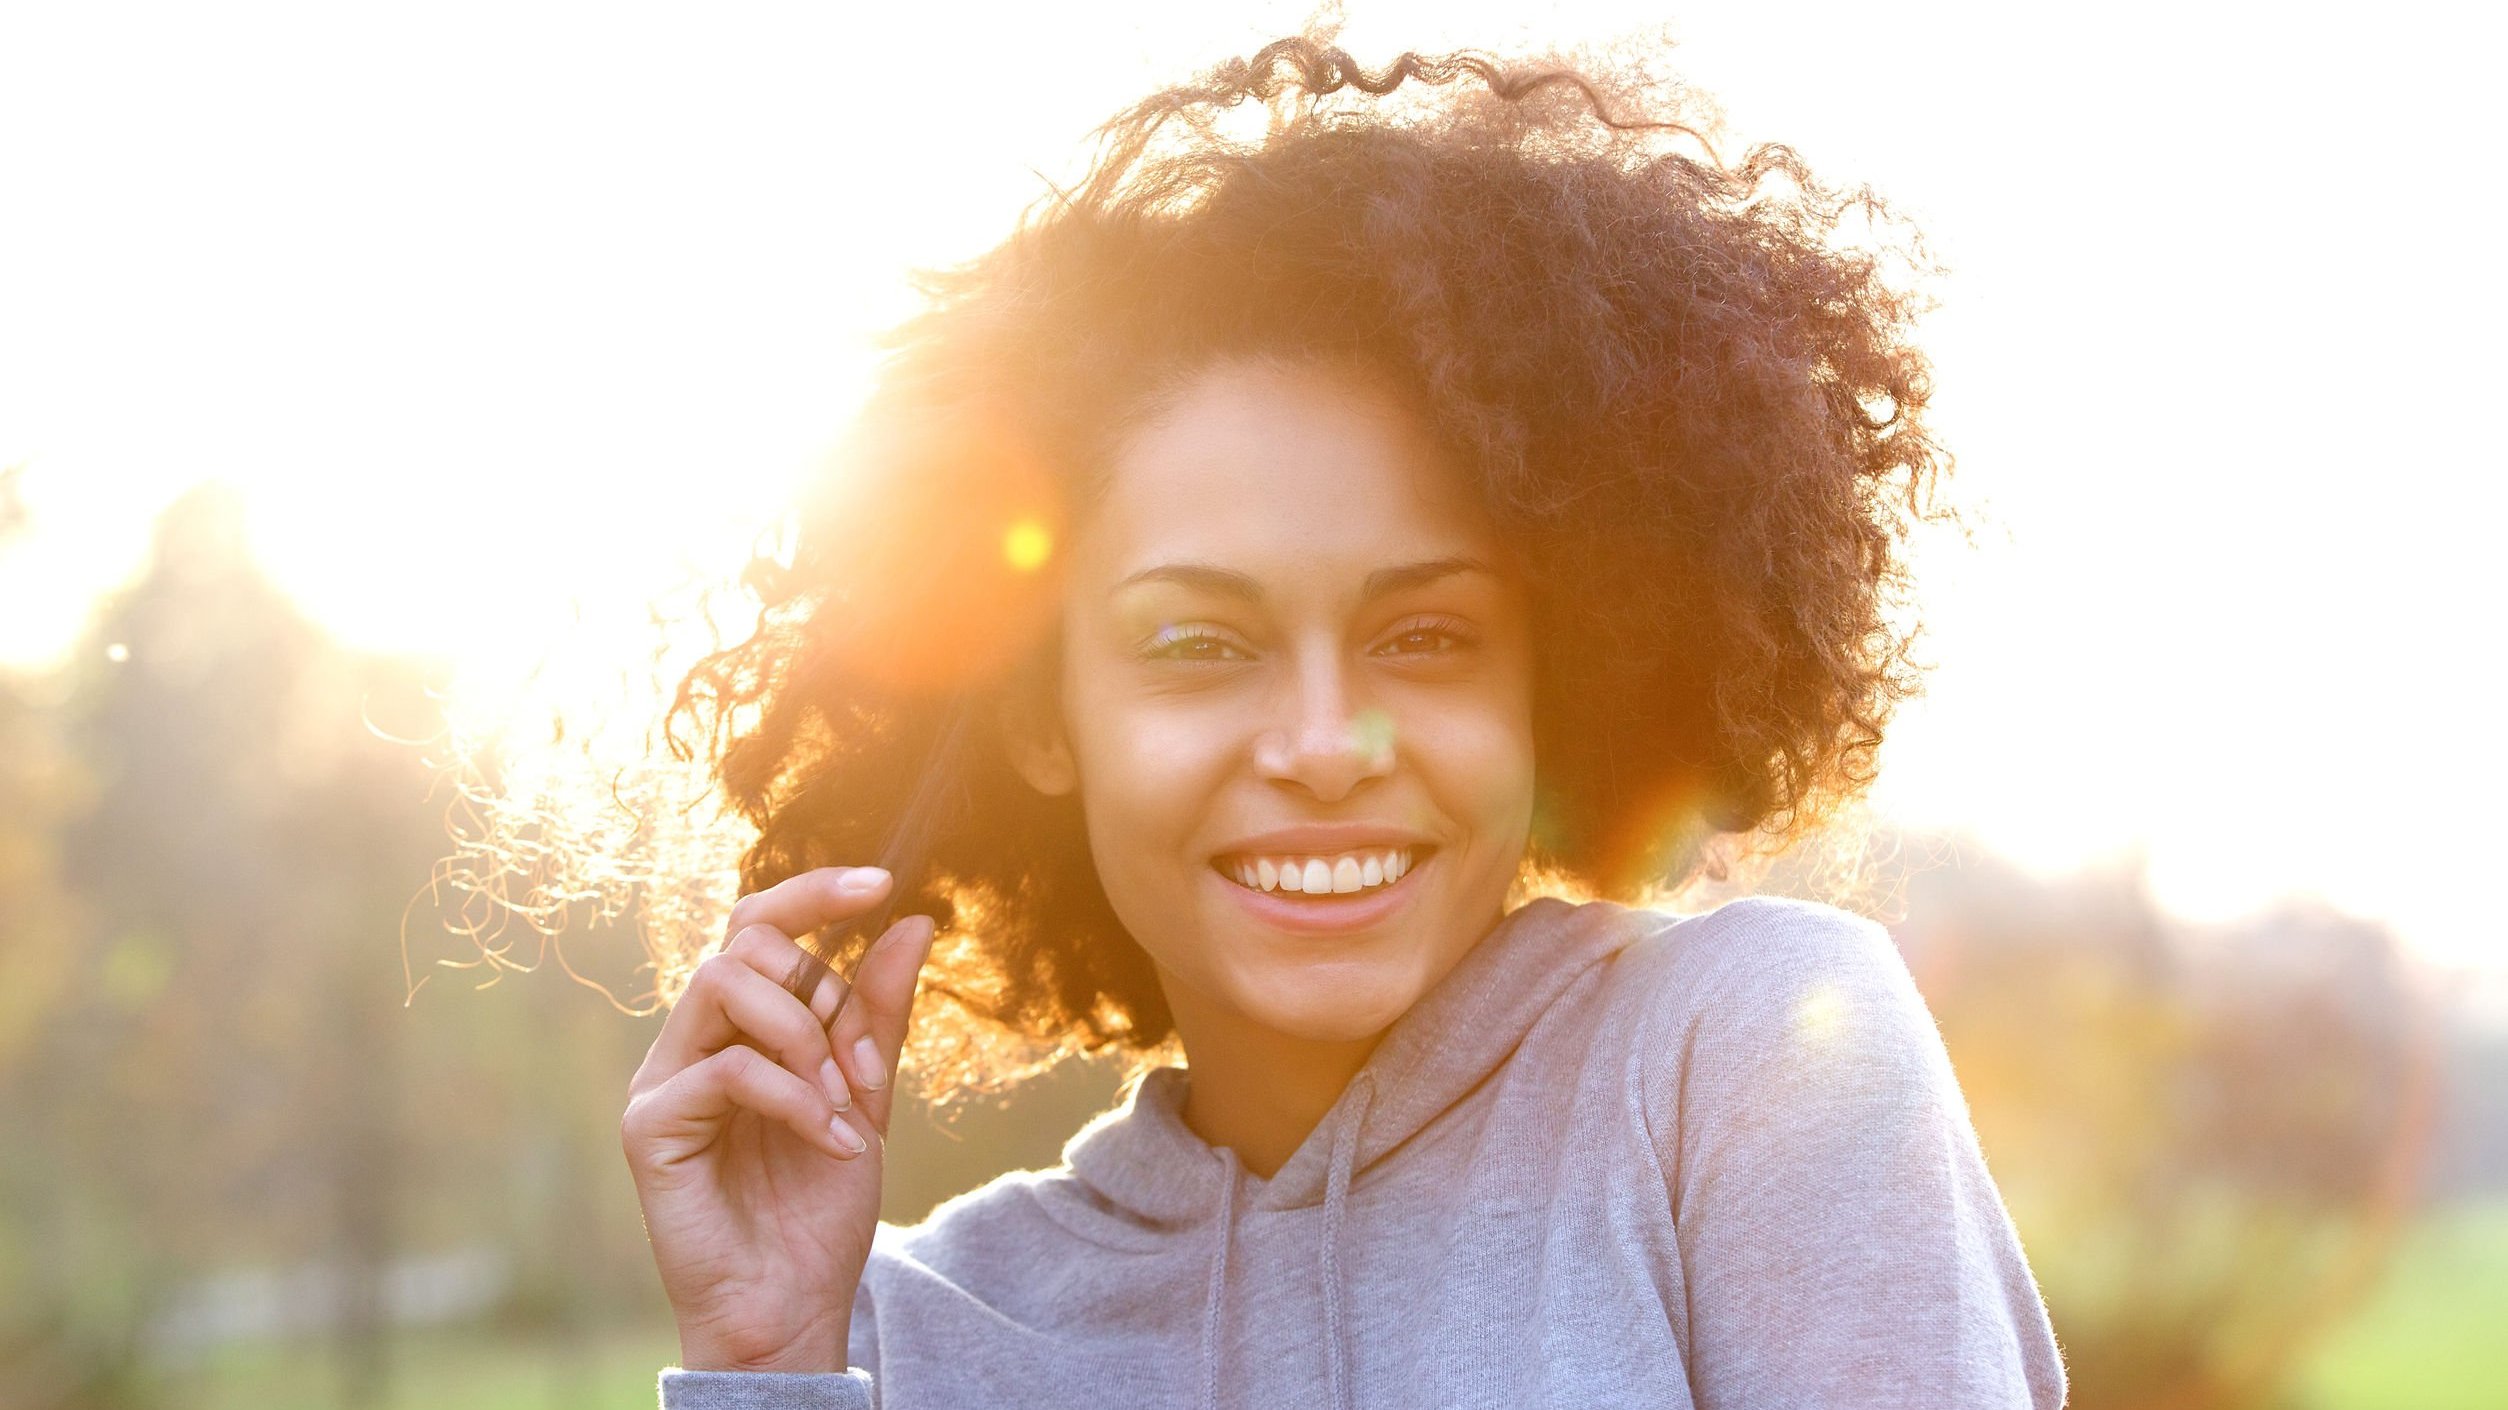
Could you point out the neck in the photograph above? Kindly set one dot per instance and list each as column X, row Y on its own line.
column 1255, row 1091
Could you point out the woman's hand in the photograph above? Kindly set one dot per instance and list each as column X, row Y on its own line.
column 755, row 1131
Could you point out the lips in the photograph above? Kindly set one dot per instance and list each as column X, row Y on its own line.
column 1332, row 913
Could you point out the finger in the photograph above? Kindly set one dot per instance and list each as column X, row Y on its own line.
column 871, row 1030
column 728, row 1003
column 774, row 954
column 800, row 904
column 686, row 1114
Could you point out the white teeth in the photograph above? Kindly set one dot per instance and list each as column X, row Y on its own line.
column 1338, row 875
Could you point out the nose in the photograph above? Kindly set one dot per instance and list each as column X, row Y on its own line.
column 1330, row 741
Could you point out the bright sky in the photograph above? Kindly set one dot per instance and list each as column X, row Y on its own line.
column 491, row 309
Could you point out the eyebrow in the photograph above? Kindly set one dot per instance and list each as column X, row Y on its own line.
column 1227, row 582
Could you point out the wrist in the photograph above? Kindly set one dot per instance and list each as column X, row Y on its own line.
column 817, row 1349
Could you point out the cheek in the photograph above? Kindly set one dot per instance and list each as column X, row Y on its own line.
column 1479, row 763
column 1147, row 772
column 1474, row 748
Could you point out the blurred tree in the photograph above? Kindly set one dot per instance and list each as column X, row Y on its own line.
column 2208, row 1135
column 223, row 1046
column 215, row 1084
column 39, row 784
column 166, row 1039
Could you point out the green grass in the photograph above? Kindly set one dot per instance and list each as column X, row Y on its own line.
column 473, row 1368
column 2434, row 1335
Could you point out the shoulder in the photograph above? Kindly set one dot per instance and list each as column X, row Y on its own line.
column 1749, row 959
column 1027, row 1248
column 1841, row 1237
column 986, row 1227
column 977, row 1243
column 1023, row 1228
column 1774, row 999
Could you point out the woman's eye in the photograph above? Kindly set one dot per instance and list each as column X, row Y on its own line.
column 1428, row 638
column 1191, row 644
column 1173, row 644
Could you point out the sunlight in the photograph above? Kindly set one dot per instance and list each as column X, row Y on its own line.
column 492, row 374
column 1818, row 1018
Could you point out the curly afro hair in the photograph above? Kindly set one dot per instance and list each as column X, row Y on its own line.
column 1680, row 388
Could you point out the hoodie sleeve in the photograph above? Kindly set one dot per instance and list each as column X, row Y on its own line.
column 765, row 1390
column 1841, row 1241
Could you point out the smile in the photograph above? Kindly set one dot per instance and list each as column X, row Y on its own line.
column 1382, row 884
column 1333, row 873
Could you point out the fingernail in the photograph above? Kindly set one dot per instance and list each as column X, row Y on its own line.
column 866, row 1063
column 832, row 1078
column 845, row 1135
column 861, row 879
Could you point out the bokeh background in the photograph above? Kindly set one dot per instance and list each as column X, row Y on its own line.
column 365, row 372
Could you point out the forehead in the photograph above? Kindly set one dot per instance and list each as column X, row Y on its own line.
column 1280, row 470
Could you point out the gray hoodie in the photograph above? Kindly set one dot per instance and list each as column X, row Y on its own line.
column 1615, row 1157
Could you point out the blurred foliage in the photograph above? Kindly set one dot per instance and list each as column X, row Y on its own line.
column 211, row 1066
column 272, row 1143
column 38, row 786
column 2209, row 1136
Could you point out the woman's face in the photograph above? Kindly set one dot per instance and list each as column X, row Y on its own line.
column 1293, row 643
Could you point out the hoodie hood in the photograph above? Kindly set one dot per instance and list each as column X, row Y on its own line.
column 1160, row 1179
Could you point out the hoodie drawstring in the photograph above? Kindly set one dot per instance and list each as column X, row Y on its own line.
column 1336, row 1200
column 1218, row 1281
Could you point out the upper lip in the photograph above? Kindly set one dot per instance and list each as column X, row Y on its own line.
column 1322, row 837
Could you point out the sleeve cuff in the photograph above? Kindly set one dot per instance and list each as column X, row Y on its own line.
column 765, row 1390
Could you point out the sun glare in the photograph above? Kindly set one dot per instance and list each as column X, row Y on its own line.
column 492, row 375
column 1027, row 545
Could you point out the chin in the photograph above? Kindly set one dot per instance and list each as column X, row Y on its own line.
column 1330, row 1003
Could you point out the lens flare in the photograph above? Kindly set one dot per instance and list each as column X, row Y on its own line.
column 1027, row 546
column 946, row 559
column 1653, row 836
column 1373, row 729
column 1820, row 1015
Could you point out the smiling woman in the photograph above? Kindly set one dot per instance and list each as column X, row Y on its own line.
column 1276, row 550
column 1287, row 605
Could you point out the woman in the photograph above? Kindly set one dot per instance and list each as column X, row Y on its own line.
column 1333, row 561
